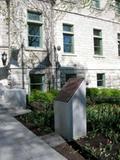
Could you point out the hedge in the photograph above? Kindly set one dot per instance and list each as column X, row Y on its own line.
column 44, row 97
column 104, row 95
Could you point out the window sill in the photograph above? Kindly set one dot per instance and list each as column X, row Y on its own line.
column 35, row 49
column 98, row 56
column 69, row 54
column 99, row 87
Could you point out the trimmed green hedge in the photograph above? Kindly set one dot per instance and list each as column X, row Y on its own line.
column 104, row 95
column 44, row 97
column 94, row 95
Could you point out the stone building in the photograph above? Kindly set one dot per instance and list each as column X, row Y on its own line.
column 48, row 42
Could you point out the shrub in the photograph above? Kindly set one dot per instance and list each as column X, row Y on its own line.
column 105, row 95
column 44, row 97
column 54, row 92
column 43, row 103
column 105, row 118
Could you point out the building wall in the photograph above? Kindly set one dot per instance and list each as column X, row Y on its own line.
column 32, row 56
column 84, row 20
column 3, row 30
column 83, row 57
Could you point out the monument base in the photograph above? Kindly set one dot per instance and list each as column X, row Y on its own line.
column 15, row 97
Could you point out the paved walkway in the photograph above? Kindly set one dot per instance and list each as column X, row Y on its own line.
column 19, row 143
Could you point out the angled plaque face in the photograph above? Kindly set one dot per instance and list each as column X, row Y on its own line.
column 69, row 89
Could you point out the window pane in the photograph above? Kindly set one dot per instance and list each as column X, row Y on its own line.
column 36, row 82
column 34, row 16
column 118, row 36
column 68, row 48
column 68, row 43
column 100, row 79
column 67, row 28
column 99, row 76
column 117, row 3
column 34, row 41
column 97, row 50
column 97, row 32
column 34, row 29
column 97, row 42
column 119, row 48
column 34, row 35
column 68, row 76
column 100, row 83
column 96, row 3
column 67, row 39
column 98, row 46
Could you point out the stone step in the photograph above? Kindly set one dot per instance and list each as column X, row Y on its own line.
column 13, row 111
column 53, row 139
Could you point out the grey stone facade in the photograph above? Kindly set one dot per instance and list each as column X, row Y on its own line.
column 14, row 33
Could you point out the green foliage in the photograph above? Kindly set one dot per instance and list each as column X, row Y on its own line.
column 105, row 118
column 105, row 95
column 54, row 92
column 44, row 97
column 45, row 115
column 39, row 121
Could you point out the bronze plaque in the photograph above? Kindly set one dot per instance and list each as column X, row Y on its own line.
column 69, row 89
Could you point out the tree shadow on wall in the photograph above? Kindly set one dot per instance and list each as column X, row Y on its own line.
column 3, row 73
column 43, row 65
column 14, row 57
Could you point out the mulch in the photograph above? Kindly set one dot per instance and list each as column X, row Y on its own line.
column 69, row 152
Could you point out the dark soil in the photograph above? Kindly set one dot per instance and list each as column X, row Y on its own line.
column 69, row 152
column 90, row 148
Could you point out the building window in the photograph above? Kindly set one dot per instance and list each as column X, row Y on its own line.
column 37, row 82
column 118, row 36
column 117, row 6
column 96, row 3
column 68, row 76
column 100, row 79
column 34, row 29
column 97, row 42
column 68, row 38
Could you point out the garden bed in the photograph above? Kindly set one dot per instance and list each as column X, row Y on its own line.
column 93, row 147
column 103, row 126
column 102, row 141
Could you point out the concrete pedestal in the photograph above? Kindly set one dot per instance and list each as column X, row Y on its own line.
column 15, row 97
column 70, row 112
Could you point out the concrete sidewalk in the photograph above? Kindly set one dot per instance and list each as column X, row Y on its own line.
column 19, row 143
